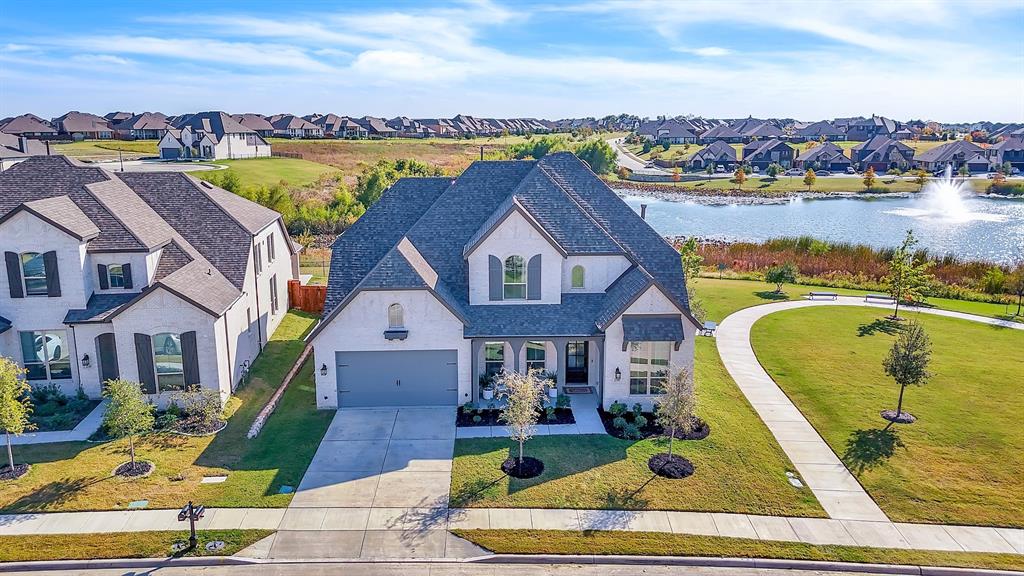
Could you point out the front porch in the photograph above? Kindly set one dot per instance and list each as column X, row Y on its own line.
column 574, row 361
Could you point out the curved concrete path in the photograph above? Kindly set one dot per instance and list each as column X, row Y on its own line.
column 839, row 493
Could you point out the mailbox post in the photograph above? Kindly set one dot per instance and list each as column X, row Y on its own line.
column 192, row 514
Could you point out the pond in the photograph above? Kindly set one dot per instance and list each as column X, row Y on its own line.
column 990, row 229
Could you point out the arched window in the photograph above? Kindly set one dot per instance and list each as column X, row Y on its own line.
column 579, row 276
column 515, row 278
column 396, row 317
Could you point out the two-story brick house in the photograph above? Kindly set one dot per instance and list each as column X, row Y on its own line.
column 514, row 265
column 154, row 277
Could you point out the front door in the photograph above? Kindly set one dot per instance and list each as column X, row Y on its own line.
column 576, row 363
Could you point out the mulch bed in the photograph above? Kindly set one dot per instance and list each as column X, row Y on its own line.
column 19, row 470
column 196, row 427
column 674, row 467
column 493, row 418
column 701, row 430
column 141, row 469
column 901, row 418
column 526, row 468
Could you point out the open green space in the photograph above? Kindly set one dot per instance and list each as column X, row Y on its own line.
column 739, row 467
column 77, row 475
column 270, row 171
column 121, row 545
column 962, row 462
column 661, row 544
column 107, row 149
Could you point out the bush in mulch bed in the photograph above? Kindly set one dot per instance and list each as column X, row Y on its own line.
column 673, row 466
column 194, row 426
column 901, row 418
column 140, row 469
column 470, row 415
column 19, row 470
column 526, row 468
column 636, row 424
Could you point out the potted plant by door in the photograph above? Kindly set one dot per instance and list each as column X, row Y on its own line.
column 486, row 387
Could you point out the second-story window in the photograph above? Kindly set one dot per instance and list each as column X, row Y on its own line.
column 115, row 275
column 579, row 277
column 270, row 248
column 515, row 278
column 33, row 270
column 258, row 257
column 396, row 317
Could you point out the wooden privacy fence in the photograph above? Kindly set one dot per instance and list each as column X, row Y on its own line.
column 307, row 298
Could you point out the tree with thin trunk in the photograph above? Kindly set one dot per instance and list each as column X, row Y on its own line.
column 869, row 178
column 908, row 278
column 1015, row 281
column 710, row 170
column 739, row 177
column 908, row 359
column 809, row 178
column 675, row 408
column 781, row 274
column 524, row 399
column 15, row 405
column 128, row 414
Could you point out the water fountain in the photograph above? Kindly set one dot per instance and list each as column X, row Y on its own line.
column 944, row 199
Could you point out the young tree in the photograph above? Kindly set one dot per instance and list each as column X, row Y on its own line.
column 692, row 261
column 908, row 278
column 963, row 171
column 128, row 413
column 710, row 169
column 15, row 406
column 676, row 176
column 1015, row 282
column 809, row 179
column 740, row 176
column 675, row 407
column 780, row 275
column 524, row 398
column 920, row 177
column 907, row 362
column 774, row 170
column 869, row 178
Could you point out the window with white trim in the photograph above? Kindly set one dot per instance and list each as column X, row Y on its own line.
column 514, row 286
column 535, row 355
column 648, row 367
column 169, row 362
column 270, row 248
column 258, row 257
column 396, row 317
column 33, row 271
column 115, row 276
column 494, row 357
column 273, row 294
column 46, row 355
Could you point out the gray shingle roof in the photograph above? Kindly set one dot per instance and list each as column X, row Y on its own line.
column 946, row 152
column 63, row 213
column 716, row 150
column 5, row 324
column 99, row 308
column 573, row 317
column 652, row 328
column 216, row 123
column 824, row 151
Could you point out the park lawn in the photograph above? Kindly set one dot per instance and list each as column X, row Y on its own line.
column 107, row 149
column 785, row 185
column 76, row 476
column 962, row 462
column 121, row 545
column 662, row 544
column 739, row 467
column 721, row 297
column 270, row 171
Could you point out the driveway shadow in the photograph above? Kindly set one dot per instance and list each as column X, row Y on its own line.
column 866, row 449
column 883, row 325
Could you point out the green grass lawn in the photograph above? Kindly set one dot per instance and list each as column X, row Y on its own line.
column 739, row 466
column 121, row 545
column 107, row 149
column 661, row 544
column 269, row 171
column 77, row 475
column 962, row 462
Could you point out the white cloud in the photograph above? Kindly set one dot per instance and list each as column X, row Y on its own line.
column 707, row 51
column 102, row 59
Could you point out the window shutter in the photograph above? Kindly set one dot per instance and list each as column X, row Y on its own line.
column 127, row 269
column 533, row 278
column 496, row 287
column 190, row 358
column 101, row 271
column 52, row 275
column 14, row 274
column 144, row 358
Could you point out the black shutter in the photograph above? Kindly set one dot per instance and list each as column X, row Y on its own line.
column 101, row 271
column 190, row 358
column 533, row 278
column 14, row 274
column 127, row 268
column 497, row 289
column 107, row 350
column 144, row 357
column 52, row 275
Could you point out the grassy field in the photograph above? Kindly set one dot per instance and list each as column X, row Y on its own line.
column 121, row 545
column 962, row 462
column 661, row 544
column 270, row 171
column 77, row 475
column 107, row 149
column 740, row 468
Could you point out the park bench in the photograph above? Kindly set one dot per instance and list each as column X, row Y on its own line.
column 830, row 295
column 709, row 328
column 884, row 298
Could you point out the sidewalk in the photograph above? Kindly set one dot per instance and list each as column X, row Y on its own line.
column 80, row 433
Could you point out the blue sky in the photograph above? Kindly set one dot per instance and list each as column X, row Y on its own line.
column 951, row 61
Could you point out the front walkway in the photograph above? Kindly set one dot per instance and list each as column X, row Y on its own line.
column 80, row 433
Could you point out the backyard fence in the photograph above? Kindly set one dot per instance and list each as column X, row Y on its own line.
column 307, row 298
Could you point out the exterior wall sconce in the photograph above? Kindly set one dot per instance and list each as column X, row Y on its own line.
column 618, row 374
column 323, row 369
column 86, row 361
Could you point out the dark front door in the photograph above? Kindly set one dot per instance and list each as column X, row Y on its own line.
column 107, row 351
column 576, row 363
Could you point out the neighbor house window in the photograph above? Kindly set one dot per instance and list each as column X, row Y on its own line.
column 396, row 318
column 648, row 367
column 579, row 276
column 115, row 276
column 45, row 355
column 273, row 294
column 515, row 278
column 257, row 255
column 270, row 248
column 494, row 357
column 33, row 270
column 535, row 353
column 170, row 367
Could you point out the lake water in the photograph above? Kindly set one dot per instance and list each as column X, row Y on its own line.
column 992, row 230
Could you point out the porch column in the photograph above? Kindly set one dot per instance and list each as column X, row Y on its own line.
column 598, row 344
column 474, row 361
column 560, row 344
column 517, row 347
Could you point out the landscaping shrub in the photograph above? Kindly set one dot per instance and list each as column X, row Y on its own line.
column 201, row 409
column 617, row 409
column 619, row 422
column 1007, row 189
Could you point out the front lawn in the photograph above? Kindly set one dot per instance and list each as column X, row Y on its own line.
column 739, row 466
column 962, row 462
column 76, row 475
column 121, row 544
column 108, row 149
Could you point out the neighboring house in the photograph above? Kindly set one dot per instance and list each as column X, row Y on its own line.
column 722, row 133
column 817, row 131
column 27, row 125
column 291, row 126
column 903, row 134
column 256, row 123
column 824, row 156
column 409, row 128
column 155, row 277
column 763, row 153
column 717, row 153
column 115, row 117
column 754, row 129
column 81, row 125
column 1010, row 150
column 514, row 265
column 144, row 126
column 882, row 153
column 440, row 127
column 335, row 126
column 212, row 135
column 866, row 129
column 14, row 149
column 376, row 127
column 956, row 154
column 669, row 132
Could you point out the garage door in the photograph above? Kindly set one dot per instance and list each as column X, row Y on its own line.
column 398, row 378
